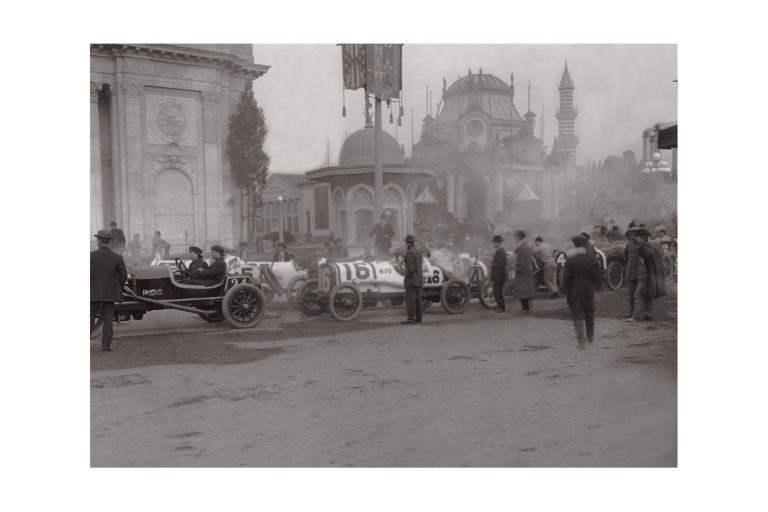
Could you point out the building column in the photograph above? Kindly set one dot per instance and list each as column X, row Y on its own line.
column 450, row 193
column 133, row 207
column 117, row 157
column 499, row 194
column 214, row 204
column 97, row 205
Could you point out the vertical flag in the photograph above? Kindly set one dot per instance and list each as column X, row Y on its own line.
column 354, row 64
column 377, row 67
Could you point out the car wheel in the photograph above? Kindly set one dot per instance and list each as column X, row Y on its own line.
column 454, row 296
column 486, row 296
column 243, row 306
column 345, row 302
column 614, row 275
column 292, row 290
column 309, row 300
column 213, row 318
column 97, row 328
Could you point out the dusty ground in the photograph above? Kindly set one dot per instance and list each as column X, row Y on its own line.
column 479, row 389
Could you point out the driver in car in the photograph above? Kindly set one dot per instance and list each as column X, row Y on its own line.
column 215, row 273
column 197, row 259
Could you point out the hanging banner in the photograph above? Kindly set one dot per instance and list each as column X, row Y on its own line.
column 354, row 64
column 377, row 67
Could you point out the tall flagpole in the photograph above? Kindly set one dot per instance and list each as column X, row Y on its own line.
column 378, row 173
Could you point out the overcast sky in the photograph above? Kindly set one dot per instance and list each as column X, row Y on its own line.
column 619, row 91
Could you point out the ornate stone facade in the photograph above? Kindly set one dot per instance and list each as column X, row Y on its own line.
column 159, row 119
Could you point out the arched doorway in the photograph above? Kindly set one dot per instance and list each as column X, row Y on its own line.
column 174, row 207
column 475, row 199
column 363, row 219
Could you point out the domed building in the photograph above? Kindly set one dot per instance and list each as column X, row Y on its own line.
column 487, row 163
column 340, row 199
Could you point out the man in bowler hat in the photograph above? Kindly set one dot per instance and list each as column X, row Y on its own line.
column 499, row 273
column 412, row 282
column 108, row 275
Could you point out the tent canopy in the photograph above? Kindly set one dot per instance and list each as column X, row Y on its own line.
column 526, row 195
column 426, row 197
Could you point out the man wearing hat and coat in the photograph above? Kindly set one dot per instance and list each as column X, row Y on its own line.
column 213, row 274
column 382, row 234
column 524, row 287
column 412, row 282
column 197, row 259
column 581, row 277
column 650, row 277
column 117, row 243
column 499, row 273
column 108, row 275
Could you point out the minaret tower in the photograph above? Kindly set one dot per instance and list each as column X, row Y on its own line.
column 566, row 114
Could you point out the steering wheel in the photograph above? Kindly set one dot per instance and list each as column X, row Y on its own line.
column 182, row 267
column 400, row 260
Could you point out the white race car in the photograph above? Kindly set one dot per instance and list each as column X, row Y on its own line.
column 344, row 288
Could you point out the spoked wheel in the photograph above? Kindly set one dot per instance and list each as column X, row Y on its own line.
column 614, row 275
column 243, row 306
column 309, row 300
column 213, row 317
column 292, row 290
column 486, row 296
column 97, row 327
column 345, row 301
column 454, row 296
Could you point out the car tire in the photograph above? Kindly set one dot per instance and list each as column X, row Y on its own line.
column 345, row 302
column 243, row 306
column 309, row 301
column 614, row 275
column 454, row 296
column 485, row 294
column 97, row 328
column 293, row 288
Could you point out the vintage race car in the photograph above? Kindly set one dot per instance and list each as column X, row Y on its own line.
column 236, row 298
column 274, row 276
column 612, row 264
column 234, row 264
column 344, row 288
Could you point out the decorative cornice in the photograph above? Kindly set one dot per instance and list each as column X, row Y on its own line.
column 95, row 88
column 132, row 91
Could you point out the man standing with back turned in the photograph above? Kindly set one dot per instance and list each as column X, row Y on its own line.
column 108, row 275
column 412, row 282
column 499, row 273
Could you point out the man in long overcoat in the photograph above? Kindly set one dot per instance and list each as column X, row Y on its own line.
column 108, row 275
column 412, row 282
column 382, row 234
column 650, row 277
column 499, row 273
column 524, row 287
column 581, row 278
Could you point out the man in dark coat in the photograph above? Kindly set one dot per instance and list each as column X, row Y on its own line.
column 499, row 273
column 117, row 243
column 108, row 275
column 524, row 287
column 215, row 273
column 631, row 256
column 581, row 277
column 382, row 234
column 412, row 282
column 650, row 277
column 197, row 260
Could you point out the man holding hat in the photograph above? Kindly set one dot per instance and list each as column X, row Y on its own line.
column 117, row 243
column 412, row 282
column 499, row 273
column 524, row 289
column 382, row 234
column 581, row 277
column 108, row 275
column 197, row 259
column 215, row 273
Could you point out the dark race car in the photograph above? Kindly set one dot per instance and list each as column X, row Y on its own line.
column 612, row 264
column 235, row 299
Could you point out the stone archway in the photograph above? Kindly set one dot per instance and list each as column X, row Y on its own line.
column 475, row 201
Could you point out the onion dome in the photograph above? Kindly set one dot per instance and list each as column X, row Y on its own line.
column 480, row 91
column 357, row 150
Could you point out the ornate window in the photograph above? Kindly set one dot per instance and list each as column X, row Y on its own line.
column 362, row 195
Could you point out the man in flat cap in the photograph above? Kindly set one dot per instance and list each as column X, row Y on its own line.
column 197, row 259
column 499, row 273
column 524, row 287
column 650, row 277
column 412, row 282
column 382, row 234
column 108, row 275
column 581, row 277
column 215, row 273
column 117, row 243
